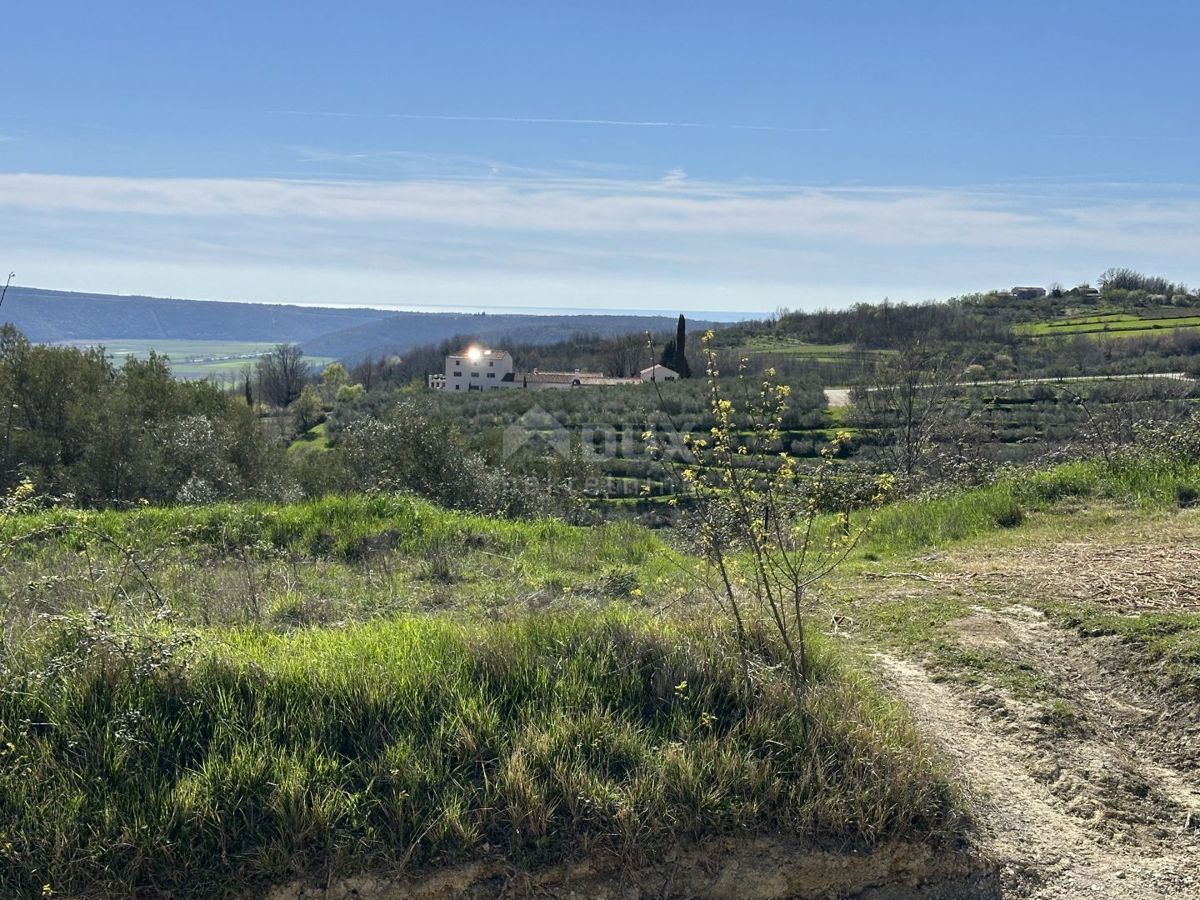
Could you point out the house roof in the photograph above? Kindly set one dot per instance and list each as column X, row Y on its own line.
column 658, row 368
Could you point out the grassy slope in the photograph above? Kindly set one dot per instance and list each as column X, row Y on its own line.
column 422, row 740
column 312, row 441
column 418, row 737
column 931, row 523
column 210, row 759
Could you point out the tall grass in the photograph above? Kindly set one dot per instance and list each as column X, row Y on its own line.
column 129, row 766
column 339, row 526
column 928, row 522
column 337, row 559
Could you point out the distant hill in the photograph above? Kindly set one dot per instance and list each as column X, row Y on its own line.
column 48, row 316
column 402, row 331
column 57, row 316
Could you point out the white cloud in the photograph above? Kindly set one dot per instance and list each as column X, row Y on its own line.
column 672, row 206
column 562, row 239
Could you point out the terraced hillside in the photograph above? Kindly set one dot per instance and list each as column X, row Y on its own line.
column 1114, row 324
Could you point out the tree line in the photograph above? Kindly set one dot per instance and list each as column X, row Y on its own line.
column 78, row 426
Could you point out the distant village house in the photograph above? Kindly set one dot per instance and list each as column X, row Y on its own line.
column 1028, row 293
column 658, row 372
column 482, row 369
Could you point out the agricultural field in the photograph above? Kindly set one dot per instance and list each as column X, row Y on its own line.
column 787, row 346
column 193, row 360
column 1114, row 324
column 1004, row 422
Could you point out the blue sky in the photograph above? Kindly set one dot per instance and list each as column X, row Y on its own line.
column 697, row 156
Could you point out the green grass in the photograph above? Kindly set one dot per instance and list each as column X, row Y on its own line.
column 314, row 440
column 336, row 526
column 1113, row 324
column 252, row 758
column 369, row 683
column 838, row 415
column 1083, row 501
column 802, row 350
column 925, row 523
column 1169, row 640
column 339, row 559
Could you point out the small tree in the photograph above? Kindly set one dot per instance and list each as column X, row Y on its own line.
column 306, row 411
column 761, row 519
column 908, row 397
column 282, row 374
column 333, row 378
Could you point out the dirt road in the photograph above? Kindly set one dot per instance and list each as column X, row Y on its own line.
column 1091, row 786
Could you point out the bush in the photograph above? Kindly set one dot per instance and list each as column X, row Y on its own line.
column 1187, row 495
column 1010, row 515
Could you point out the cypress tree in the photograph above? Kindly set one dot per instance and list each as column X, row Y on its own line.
column 681, row 364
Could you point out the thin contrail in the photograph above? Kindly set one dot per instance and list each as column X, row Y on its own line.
column 540, row 120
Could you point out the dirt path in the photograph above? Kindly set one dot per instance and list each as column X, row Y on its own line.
column 1090, row 788
column 1034, row 814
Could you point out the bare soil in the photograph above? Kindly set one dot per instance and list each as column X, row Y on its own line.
column 1093, row 788
column 761, row 869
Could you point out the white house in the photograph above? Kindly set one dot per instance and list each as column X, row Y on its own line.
column 477, row 369
column 658, row 372
column 481, row 369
